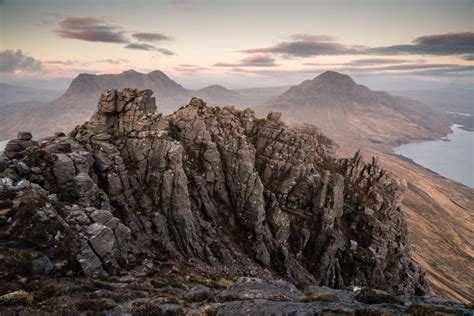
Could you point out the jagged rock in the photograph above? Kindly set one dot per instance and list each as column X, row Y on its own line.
column 3, row 164
column 90, row 262
column 222, row 189
column 15, row 148
column 24, row 136
column 23, row 168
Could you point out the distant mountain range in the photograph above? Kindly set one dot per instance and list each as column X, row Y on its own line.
column 79, row 101
column 347, row 111
column 15, row 94
column 332, row 101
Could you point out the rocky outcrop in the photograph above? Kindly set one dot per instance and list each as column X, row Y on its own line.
column 215, row 187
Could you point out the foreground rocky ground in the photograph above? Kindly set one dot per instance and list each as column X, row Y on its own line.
column 133, row 209
column 165, row 288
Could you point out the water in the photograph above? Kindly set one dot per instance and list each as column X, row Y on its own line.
column 452, row 157
column 3, row 143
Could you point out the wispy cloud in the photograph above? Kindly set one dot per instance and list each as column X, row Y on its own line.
column 68, row 62
column 113, row 61
column 11, row 61
column 90, row 29
column 189, row 68
column 149, row 47
column 379, row 61
column 98, row 30
column 151, row 37
column 307, row 45
column 439, row 44
column 255, row 60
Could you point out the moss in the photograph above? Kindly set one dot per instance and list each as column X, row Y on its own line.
column 424, row 310
column 15, row 298
column 372, row 312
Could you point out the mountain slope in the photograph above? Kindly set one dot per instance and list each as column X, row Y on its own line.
column 351, row 112
column 219, row 95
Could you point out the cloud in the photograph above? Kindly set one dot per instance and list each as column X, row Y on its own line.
column 255, row 60
column 165, row 51
column 307, row 45
column 311, row 37
column 11, row 61
column 68, row 62
column 415, row 69
column 438, row 44
column 151, row 37
column 148, row 47
column 378, row 61
column 189, row 68
column 113, row 61
column 140, row 46
column 469, row 57
column 415, row 66
column 258, row 60
column 90, row 29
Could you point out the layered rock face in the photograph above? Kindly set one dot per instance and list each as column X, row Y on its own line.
column 213, row 187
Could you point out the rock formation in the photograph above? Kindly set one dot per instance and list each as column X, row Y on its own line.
column 214, row 188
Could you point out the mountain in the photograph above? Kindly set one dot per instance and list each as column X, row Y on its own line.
column 351, row 112
column 259, row 95
column 218, row 94
column 16, row 94
column 136, row 197
column 86, row 88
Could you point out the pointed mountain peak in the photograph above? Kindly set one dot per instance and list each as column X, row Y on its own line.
column 157, row 74
column 215, row 87
column 334, row 78
column 130, row 71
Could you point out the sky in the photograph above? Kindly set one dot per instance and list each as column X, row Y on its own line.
column 387, row 44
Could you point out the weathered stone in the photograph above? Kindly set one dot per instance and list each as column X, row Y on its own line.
column 24, row 135
column 197, row 293
column 41, row 266
column 101, row 239
column 90, row 263
column 171, row 310
column 23, row 168
column 274, row 116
